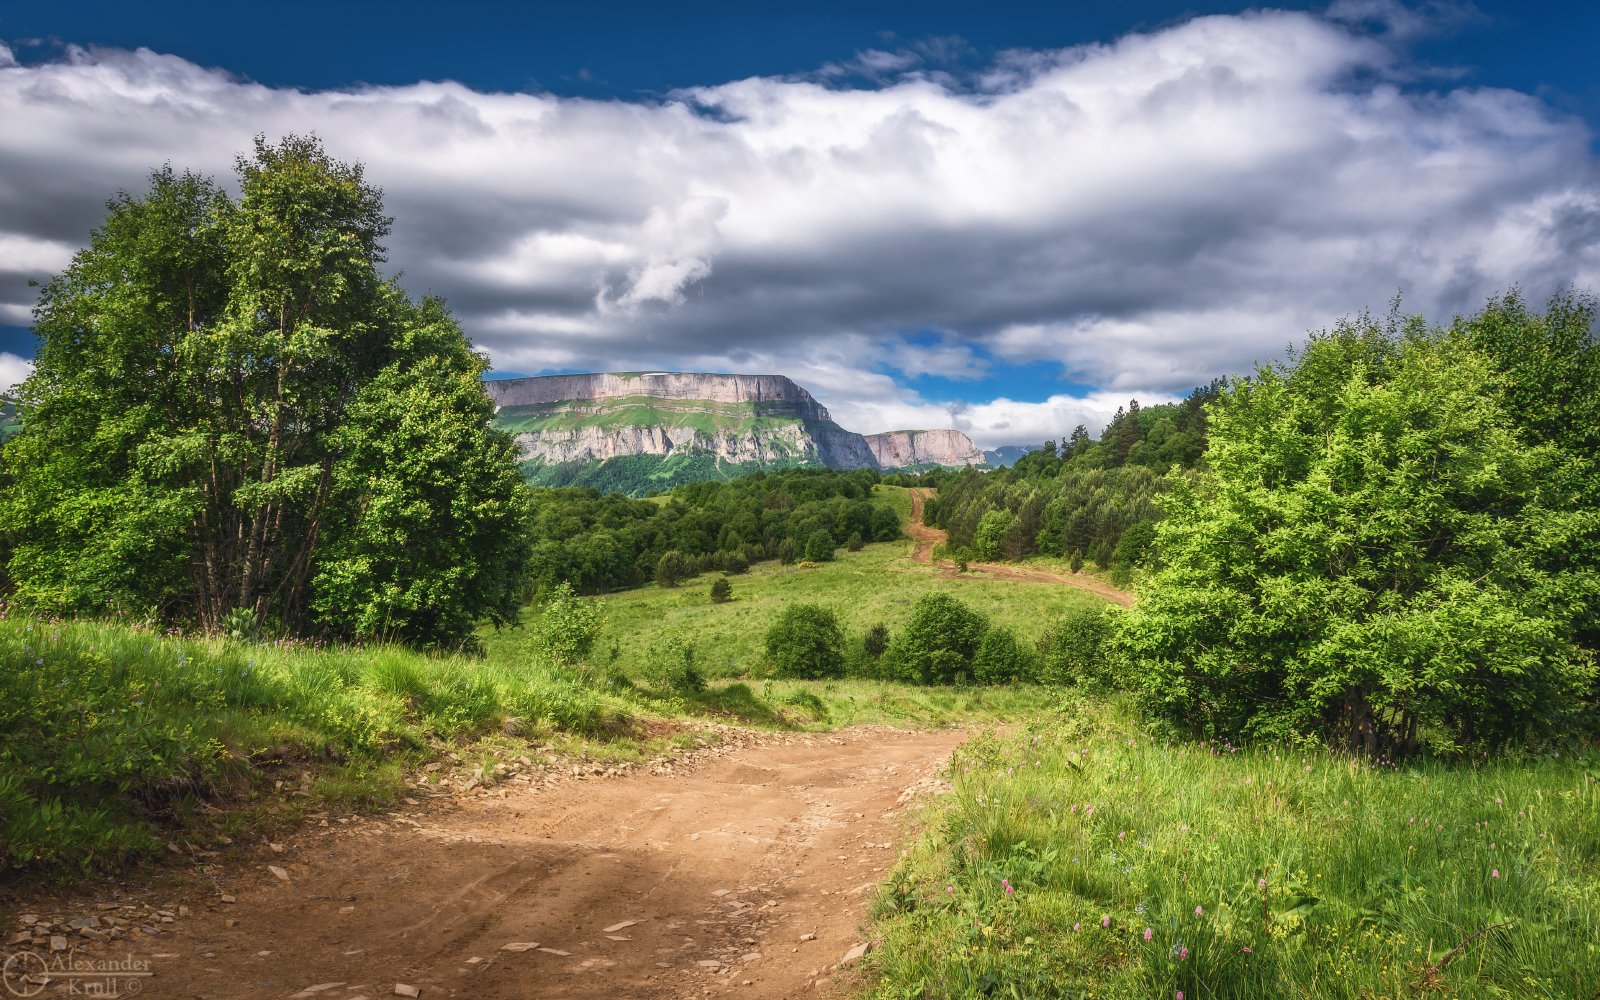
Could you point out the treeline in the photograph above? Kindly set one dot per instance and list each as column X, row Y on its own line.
column 1088, row 500
column 602, row 542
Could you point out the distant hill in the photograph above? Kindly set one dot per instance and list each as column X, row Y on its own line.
column 1006, row 454
column 640, row 432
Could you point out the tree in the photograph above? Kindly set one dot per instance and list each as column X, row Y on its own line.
column 1001, row 658
column 1373, row 557
column 721, row 590
column 672, row 567
column 876, row 640
column 806, row 642
column 232, row 411
column 938, row 643
column 819, row 547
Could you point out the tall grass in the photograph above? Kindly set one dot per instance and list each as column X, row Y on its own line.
column 1086, row 858
column 105, row 729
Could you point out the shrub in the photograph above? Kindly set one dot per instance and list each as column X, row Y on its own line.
column 938, row 644
column 721, row 590
column 819, row 547
column 854, row 542
column 876, row 640
column 885, row 525
column 569, row 625
column 1074, row 649
column 806, row 642
column 672, row 567
column 1001, row 658
column 787, row 552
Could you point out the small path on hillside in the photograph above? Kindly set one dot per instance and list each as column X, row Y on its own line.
column 926, row 537
column 750, row 874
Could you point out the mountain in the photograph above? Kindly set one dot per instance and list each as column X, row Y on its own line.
column 643, row 431
column 1006, row 454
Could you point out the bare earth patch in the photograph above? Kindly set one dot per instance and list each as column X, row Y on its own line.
column 750, row 873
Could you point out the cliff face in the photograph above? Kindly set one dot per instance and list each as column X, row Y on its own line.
column 759, row 420
column 898, row 449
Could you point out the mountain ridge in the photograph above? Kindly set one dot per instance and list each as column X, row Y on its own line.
column 706, row 425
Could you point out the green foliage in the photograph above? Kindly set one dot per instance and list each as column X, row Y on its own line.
column 819, row 546
column 876, row 640
column 1075, row 649
column 805, row 641
column 109, row 733
column 672, row 567
column 1376, row 556
column 1258, row 872
column 854, row 542
column 721, row 590
column 605, row 543
column 938, row 643
column 569, row 625
column 1001, row 659
column 231, row 409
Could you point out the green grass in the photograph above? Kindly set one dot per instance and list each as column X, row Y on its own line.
column 1268, row 872
column 877, row 584
column 648, row 411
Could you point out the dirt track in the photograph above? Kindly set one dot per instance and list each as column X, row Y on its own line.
column 926, row 537
column 751, row 874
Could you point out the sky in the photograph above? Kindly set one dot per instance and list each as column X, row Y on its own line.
column 1009, row 218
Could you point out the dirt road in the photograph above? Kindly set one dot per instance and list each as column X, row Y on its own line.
column 751, row 875
column 926, row 537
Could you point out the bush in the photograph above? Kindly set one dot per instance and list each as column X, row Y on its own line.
column 819, row 547
column 672, row 567
column 876, row 640
column 787, row 552
column 885, row 525
column 1375, row 556
column 854, row 542
column 1001, row 658
column 1075, row 648
column 938, row 644
column 806, row 642
column 569, row 625
column 721, row 590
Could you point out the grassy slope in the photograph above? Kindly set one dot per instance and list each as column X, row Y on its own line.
column 645, row 411
column 877, row 584
column 1260, row 873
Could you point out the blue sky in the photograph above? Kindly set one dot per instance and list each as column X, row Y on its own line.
column 1005, row 217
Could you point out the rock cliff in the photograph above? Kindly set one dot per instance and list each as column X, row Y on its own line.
column 746, row 421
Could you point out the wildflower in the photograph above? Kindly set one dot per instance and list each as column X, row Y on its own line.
column 1122, row 835
column 1247, row 950
column 1105, row 921
column 949, row 890
column 1261, row 884
column 1007, row 884
column 1184, row 828
column 1199, row 911
column 1148, row 933
column 1495, row 873
column 1078, row 926
column 1497, row 801
column 1183, row 953
column 1179, row 996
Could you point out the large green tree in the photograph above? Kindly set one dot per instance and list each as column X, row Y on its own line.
column 233, row 412
column 1374, row 555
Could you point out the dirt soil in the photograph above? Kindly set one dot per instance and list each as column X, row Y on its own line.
column 749, row 874
column 926, row 537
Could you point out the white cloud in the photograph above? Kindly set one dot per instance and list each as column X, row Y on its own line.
column 12, row 371
column 1148, row 213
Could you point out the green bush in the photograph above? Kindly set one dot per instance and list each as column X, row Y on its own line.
column 1074, row 649
column 819, row 547
column 672, row 567
column 854, row 542
column 569, row 625
column 787, row 552
column 1001, row 658
column 1374, row 556
column 938, row 643
column 721, row 590
column 876, row 640
column 806, row 642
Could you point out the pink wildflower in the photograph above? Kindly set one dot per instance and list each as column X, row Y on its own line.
column 1148, row 933
column 1105, row 921
column 1199, row 911
column 1007, row 884
column 1122, row 835
column 1077, row 926
column 1183, row 953
column 1495, row 873
column 1179, row 996
column 1261, row 884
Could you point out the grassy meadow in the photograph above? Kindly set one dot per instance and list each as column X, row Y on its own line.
column 1084, row 856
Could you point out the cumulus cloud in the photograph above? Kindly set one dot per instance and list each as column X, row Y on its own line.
column 1146, row 213
column 12, row 371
